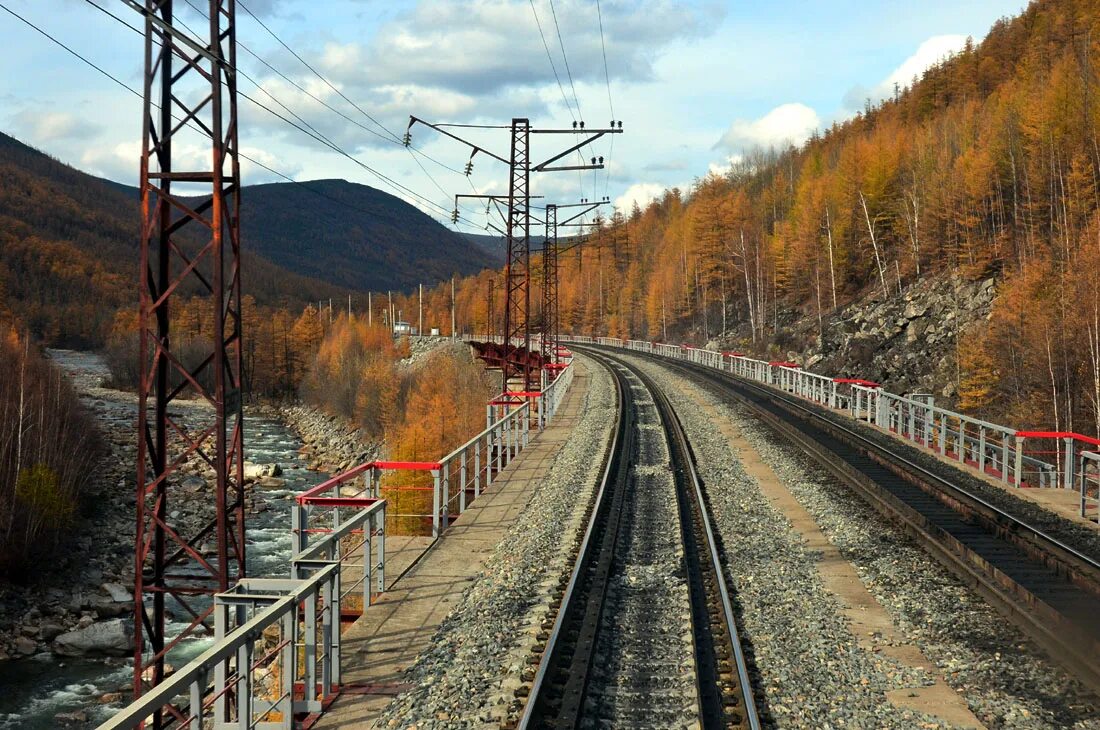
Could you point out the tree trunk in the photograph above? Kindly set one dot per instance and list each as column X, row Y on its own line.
column 874, row 244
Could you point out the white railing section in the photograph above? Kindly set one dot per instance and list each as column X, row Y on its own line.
column 276, row 650
column 1013, row 457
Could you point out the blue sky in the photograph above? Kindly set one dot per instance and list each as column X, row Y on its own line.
column 693, row 82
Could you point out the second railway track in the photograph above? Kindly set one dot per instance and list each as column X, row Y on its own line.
column 1048, row 588
column 646, row 634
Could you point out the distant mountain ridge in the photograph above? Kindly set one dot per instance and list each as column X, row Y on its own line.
column 68, row 245
column 353, row 236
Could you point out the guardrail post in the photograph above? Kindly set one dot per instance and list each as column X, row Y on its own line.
column 244, row 679
column 380, row 533
column 1019, row 460
column 500, row 447
column 198, row 686
column 287, row 672
column 298, row 520
column 309, row 630
column 330, row 617
column 221, row 669
column 477, row 465
column 1069, row 464
column 446, row 495
column 436, row 486
column 462, row 482
column 981, row 448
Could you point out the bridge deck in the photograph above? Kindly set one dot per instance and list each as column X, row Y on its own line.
column 386, row 641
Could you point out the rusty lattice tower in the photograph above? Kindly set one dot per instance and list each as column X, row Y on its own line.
column 190, row 245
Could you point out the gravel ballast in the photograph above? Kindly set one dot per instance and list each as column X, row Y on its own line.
column 480, row 652
column 814, row 672
column 644, row 674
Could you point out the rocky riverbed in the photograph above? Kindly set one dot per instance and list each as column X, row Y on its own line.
column 66, row 638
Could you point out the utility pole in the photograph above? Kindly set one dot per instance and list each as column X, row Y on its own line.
column 551, row 313
column 420, row 322
column 188, row 78
column 370, row 311
column 453, row 333
column 517, row 358
column 489, row 330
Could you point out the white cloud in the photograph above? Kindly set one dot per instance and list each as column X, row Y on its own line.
column 43, row 126
column 928, row 54
column 641, row 193
column 786, row 124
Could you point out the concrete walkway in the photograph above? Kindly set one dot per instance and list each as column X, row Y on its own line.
column 387, row 639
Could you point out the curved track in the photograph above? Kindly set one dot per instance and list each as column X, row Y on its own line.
column 1047, row 588
column 645, row 635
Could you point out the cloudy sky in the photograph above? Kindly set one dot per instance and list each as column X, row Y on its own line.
column 692, row 82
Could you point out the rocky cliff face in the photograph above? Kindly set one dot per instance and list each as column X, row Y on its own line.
column 908, row 343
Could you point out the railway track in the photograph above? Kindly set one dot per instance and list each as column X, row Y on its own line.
column 645, row 635
column 1046, row 587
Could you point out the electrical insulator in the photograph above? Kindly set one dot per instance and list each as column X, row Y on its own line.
column 454, row 216
column 593, row 160
column 408, row 138
column 601, row 160
column 469, row 168
column 620, row 125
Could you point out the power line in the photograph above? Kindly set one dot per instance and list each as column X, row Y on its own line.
column 565, row 58
column 553, row 67
column 610, row 104
column 390, row 136
column 139, row 95
column 305, row 127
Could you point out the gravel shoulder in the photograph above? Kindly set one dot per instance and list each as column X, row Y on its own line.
column 815, row 672
column 480, row 653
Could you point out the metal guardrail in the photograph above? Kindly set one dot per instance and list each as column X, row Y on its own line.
column 1014, row 457
column 276, row 651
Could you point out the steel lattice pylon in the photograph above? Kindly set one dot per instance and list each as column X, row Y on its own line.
column 550, row 318
column 517, row 270
column 195, row 249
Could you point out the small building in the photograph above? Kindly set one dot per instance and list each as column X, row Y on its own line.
column 403, row 328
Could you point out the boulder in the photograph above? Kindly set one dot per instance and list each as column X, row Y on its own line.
column 118, row 592
column 271, row 483
column 76, row 717
column 50, row 630
column 25, row 646
column 105, row 638
column 252, row 472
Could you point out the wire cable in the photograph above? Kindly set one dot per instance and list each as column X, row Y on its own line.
column 610, row 104
column 190, row 124
column 553, row 67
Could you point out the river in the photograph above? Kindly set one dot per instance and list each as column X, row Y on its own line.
column 34, row 691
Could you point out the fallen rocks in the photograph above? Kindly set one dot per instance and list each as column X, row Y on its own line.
column 254, row 472
column 105, row 638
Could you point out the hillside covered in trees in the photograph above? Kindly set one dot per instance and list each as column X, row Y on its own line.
column 68, row 252
column 986, row 166
column 69, row 242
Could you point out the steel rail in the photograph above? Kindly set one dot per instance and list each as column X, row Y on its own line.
column 675, row 429
column 723, row 700
column 554, row 642
column 1051, row 617
column 790, row 402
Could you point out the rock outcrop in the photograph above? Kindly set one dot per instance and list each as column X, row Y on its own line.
column 907, row 342
column 105, row 638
